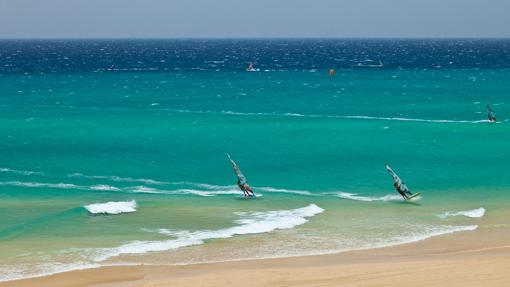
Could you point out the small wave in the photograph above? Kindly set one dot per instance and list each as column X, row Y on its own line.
column 474, row 213
column 355, row 196
column 23, row 172
column 430, row 231
column 412, row 119
column 41, row 184
column 104, row 187
column 206, row 192
column 207, row 186
column 210, row 191
column 280, row 190
column 58, row 185
column 112, row 207
column 144, row 189
column 199, row 192
column 358, row 117
column 117, row 178
column 248, row 223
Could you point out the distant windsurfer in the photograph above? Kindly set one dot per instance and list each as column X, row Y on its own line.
column 399, row 185
column 251, row 68
column 490, row 114
column 241, row 180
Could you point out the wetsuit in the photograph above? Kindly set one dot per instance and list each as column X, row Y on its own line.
column 402, row 189
column 248, row 192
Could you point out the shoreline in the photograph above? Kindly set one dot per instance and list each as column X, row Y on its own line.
column 457, row 259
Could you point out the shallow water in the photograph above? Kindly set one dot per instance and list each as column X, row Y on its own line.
column 120, row 129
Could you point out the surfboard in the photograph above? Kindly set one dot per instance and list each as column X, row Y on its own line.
column 246, row 198
column 413, row 196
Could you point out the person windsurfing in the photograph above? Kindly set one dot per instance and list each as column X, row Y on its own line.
column 490, row 114
column 241, row 180
column 399, row 185
column 251, row 68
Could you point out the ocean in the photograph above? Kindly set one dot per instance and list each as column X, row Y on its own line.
column 114, row 151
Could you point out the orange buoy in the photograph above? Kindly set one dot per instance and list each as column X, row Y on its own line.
column 331, row 72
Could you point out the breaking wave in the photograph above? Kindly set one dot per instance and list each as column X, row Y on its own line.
column 426, row 233
column 206, row 190
column 183, row 191
column 248, row 223
column 112, row 207
column 474, row 213
column 355, row 196
column 281, row 190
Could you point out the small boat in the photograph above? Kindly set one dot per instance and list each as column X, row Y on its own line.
column 380, row 65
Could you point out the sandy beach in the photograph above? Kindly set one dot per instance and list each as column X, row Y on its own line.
column 463, row 259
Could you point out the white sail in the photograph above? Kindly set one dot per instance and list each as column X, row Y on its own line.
column 398, row 182
column 240, row 175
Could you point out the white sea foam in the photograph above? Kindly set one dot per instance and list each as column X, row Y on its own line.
column 425, row 233
column 201, row 190
column 41, row 184
column 358, row 117
column 412, row 119
column 281, row 190
column 207, row 186
column 355, row 196
column 23, row 172
column 112, row 207
column 144, row 189
column 191, row 191
column 248, row 223
column 58, row 185
column 117, row 178
column 104, row 187
column 206, row 192
column 474, row 213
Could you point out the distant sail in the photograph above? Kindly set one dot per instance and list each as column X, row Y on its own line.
column 251, row 68
column 490, row 114
column 400, row 186
column 380, row 65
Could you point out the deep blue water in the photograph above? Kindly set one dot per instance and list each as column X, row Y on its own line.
column 53, row 56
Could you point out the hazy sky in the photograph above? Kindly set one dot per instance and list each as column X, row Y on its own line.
column 254, row 18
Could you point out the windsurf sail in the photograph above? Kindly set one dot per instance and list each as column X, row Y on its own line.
column 399, row 184
column 241, row 179
column 490, row 114
column 251, row 68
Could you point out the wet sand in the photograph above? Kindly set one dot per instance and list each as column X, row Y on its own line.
column 474, row 258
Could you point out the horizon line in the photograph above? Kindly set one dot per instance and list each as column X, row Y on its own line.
column 262, row 38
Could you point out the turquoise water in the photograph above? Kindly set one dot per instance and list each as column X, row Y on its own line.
column 312, row 146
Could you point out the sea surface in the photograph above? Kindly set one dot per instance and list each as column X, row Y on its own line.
column 113, row 151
